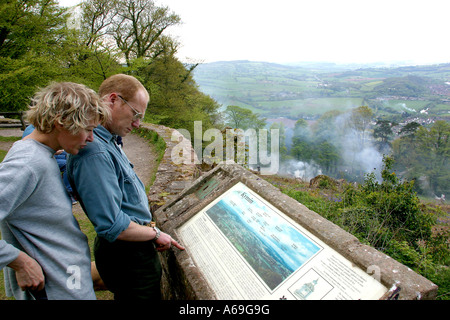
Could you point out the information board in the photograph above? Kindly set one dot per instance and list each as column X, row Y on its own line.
column 248, row 250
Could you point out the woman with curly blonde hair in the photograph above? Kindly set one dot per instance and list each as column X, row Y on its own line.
column 43, row 251
column 66, row 109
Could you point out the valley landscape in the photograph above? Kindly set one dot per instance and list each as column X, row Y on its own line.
column 398, row 99
column 307, row 90
column 398, row 159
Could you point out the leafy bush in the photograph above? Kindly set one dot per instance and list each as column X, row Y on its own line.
column 389, row 216
column 397, row 206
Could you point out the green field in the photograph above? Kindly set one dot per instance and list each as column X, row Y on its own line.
column 308, row 107
column 305, row 91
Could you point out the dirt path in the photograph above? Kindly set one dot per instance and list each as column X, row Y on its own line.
column 139, row 152
column 141, row 155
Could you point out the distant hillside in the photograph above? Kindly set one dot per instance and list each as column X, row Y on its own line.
column 408, row 86
column 308, row 90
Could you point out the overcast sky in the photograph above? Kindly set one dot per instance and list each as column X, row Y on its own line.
column 339, row 31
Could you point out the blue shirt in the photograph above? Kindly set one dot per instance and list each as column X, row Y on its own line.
column 107, row 187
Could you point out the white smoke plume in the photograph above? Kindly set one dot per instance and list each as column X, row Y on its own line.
column 356, row 149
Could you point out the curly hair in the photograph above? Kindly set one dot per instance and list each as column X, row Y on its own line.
column 70, row 104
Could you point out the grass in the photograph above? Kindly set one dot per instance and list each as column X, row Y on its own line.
column 9, row 139
column 312, row 106
column 157, row 143
column 430, row 258
column 2, row 154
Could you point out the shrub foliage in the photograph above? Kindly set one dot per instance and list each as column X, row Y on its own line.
column 389, row 216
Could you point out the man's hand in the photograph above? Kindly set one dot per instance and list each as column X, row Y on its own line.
column 29, row 273
column 136, row 232
column 165, row 241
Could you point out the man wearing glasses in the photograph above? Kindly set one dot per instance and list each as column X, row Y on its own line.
column 115, row 200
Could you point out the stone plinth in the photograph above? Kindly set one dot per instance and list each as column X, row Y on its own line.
column 187, row 281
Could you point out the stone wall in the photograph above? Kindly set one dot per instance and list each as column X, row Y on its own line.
column 171, row 178
column 180, row 189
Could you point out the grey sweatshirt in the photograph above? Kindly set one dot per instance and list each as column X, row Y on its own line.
column 36, row 217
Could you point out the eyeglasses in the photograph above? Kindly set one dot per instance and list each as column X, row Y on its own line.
column 137, row 114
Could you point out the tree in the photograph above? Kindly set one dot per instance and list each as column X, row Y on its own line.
column 360, row 121
column 241, row 118
column 383, row 133
column 31, row 36
column 328, row 128
column 423, row 156
column 434, row 151
column 96, row 19
column 41, row 42
column 301, row 128
column 132, row 28
column 410, row 128
column 174, row 98
column 133, row 32
column 302, row 150
column 302, row 145
column 327, row 156
column 26, row 26
column 135, row 26
column 318, row 146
